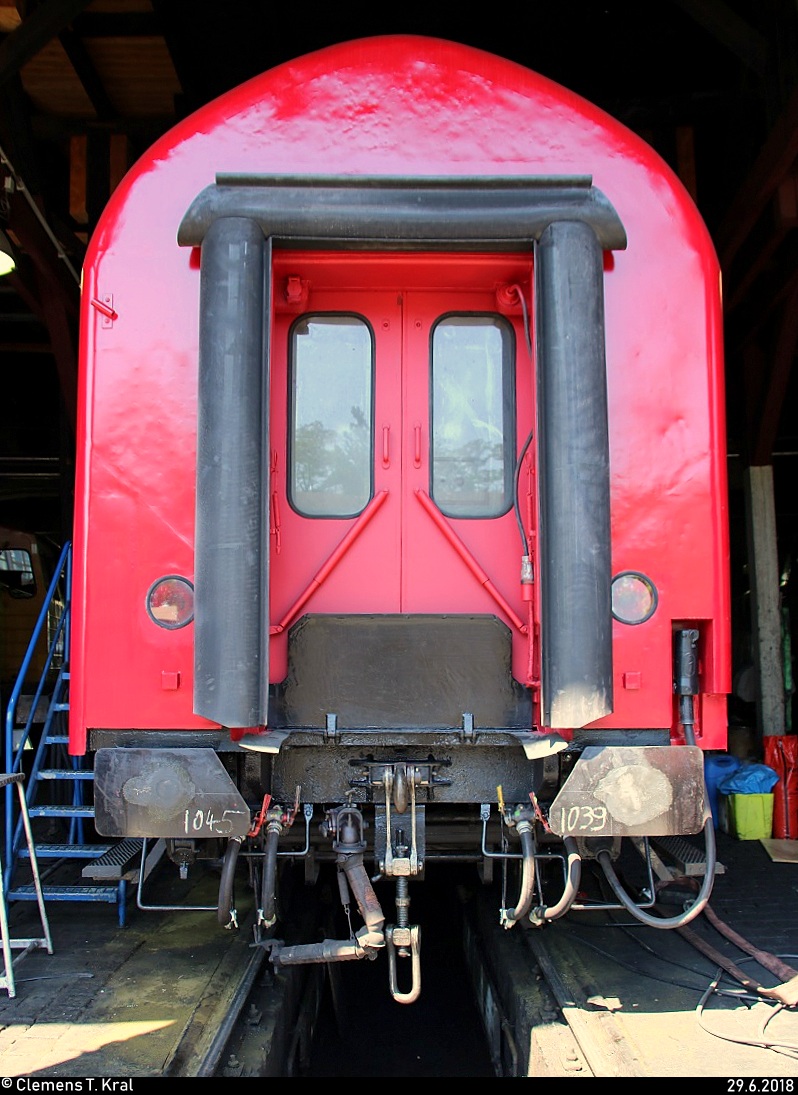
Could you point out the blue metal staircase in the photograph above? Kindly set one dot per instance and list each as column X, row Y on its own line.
column 58, row 786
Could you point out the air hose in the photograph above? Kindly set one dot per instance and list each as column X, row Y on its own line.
column 225, row 911
column 269, row 885
column 508, row 917
column 543, row 913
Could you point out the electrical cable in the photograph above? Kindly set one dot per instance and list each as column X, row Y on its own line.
column 713, row 989
column 774, row 966
column 530, row 435
column 787, row 1049
column 640, row 971
column 605, row 861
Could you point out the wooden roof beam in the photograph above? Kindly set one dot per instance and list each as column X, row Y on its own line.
column 773, row 164
column 764, row 427
column 728, row 28
column 34, row 32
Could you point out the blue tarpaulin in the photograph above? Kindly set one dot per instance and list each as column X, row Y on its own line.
column 749, row 779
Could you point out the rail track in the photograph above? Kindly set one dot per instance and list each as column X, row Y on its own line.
column 273, row 1023
column 590, row 995
column 531, row 1018
column 595, row 996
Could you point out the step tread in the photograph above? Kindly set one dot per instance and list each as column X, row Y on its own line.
column 115, row 863
column 65, row 773
column 66, row 893
column 685, row 857
column 61, row 811
column 67, row 851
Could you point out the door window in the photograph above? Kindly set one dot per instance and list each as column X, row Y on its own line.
column 472, row 371
column 331, row 424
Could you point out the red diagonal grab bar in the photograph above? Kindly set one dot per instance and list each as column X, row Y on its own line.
column 332, row 561
column 469, row 559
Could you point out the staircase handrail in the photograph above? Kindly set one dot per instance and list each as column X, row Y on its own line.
column 13, row 759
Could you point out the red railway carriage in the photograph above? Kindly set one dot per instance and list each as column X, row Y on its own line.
column 402, row 489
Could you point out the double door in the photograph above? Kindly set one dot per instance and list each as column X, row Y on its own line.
column 400, row 404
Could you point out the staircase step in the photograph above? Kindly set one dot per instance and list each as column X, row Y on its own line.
column 57, row 739
column 66, row 893
column 66, row 773
column 686, row 859
column 67, row 851
column 115, row 862
column 61, row 811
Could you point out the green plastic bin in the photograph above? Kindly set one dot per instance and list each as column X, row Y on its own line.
column 751, row 816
